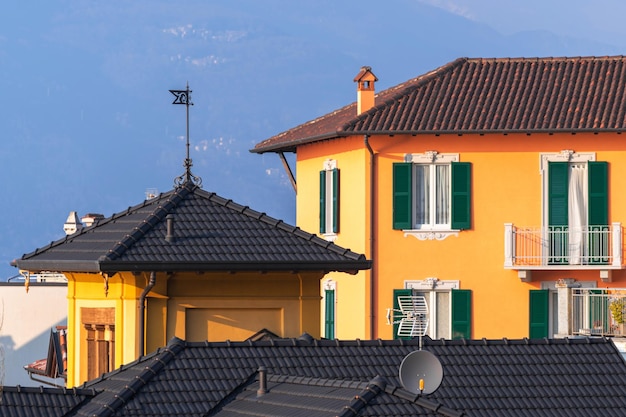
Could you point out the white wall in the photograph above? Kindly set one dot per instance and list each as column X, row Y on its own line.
column 26, row 322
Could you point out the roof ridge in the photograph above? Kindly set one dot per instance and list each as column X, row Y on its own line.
column 361, row 400
column 159, row 361
column 149, row 222
column 49, row 390
column 422, row 401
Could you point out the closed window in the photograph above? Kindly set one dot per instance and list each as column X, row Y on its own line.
column 99, row 333
column 431, row 192
column 449, row 309
column 329, row 198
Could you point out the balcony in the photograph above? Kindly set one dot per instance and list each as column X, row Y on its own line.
column 560, row 247
column 598, row 312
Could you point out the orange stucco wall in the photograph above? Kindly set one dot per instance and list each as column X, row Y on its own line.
column 506, row 188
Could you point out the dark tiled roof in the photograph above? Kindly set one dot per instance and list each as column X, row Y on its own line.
column 50, row 402
column 210, row 233
column 540, row 377
column 484, row 95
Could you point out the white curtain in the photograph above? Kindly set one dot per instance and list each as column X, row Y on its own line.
column 577, row 212
column 442, row 197
column 422, row 194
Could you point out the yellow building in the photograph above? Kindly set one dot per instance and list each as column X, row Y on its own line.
column 187, row 264
column 489, row 187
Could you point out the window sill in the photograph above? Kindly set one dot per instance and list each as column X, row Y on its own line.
column 430, row 234
column 331, row 237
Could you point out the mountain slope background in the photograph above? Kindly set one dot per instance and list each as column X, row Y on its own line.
column 88, row 123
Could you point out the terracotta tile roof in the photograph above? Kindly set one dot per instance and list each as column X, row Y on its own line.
column 482, row 95
column 539, row 377
column 208, row 233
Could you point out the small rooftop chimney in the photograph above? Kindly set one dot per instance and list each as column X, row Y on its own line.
column 72, row 224
column 169, row 220
column 365, row 91
column 262, row 382
column 90, row 218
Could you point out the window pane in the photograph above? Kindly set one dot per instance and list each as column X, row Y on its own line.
column 442, row 194
column 443, row 314
column 422, row 194
column 328, row 227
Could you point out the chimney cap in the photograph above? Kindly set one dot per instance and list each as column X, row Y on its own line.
column 365, row 74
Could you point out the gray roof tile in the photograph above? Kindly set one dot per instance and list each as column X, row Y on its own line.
column 569, row 377
column 210, row 233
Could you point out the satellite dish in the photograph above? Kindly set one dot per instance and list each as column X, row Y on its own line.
column 421, row 372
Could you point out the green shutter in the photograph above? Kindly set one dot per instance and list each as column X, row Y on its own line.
column 558, row 174
column 598, row 193
column 335, row 196
column 538, row 313
column 461, row 314
column 329, row 314
column 461, row 195
column 322, row 201
column 396, row 307
column 402, row 199
column 598, row 215
column 558, row 183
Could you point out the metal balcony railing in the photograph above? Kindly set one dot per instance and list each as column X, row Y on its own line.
column 598, row 312
column 558, row 246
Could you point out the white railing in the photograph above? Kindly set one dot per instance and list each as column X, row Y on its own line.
column 598, row 312
column 554, row 246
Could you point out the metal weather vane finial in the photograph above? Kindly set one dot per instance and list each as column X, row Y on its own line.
column 184, row 97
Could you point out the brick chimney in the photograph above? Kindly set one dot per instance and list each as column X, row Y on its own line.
column 365, row 90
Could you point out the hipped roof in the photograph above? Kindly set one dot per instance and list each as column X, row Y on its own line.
column 209, row 233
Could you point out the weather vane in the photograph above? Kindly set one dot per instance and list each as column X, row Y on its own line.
column 184, row 97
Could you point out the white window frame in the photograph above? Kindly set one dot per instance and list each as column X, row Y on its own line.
column 566, row 155
column 432, row 231
column 431, row 286
column 329, row 166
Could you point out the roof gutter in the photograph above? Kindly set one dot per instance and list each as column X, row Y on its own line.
column 372, row 236
column 142, row 311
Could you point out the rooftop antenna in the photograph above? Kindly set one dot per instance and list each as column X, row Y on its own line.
column 411, row 317
column 184, row 97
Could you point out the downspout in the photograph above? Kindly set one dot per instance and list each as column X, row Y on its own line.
column 372, row 236
column 142, row 311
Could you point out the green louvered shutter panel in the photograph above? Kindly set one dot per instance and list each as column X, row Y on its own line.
column 335, row 197
column 461, row 195
column 329, row 314
column 322, row 201
column 461, row 314
column 402, row 199
column 598, row 217
column 538, row 312
column 396, row 306
column 558, row 175
column 598, row 311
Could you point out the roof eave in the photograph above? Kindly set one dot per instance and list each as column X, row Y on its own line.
column 58, row 266
column 292, row 146
column 351, row 267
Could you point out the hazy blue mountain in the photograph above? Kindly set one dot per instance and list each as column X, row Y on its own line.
column 87, row 119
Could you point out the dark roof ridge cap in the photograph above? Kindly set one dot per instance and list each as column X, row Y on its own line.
column 362, row 399
column 164, row 206
column 422, row 401
column 156, row 363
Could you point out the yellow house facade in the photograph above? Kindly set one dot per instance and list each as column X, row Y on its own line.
column 490, row 188
column 186, row 264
